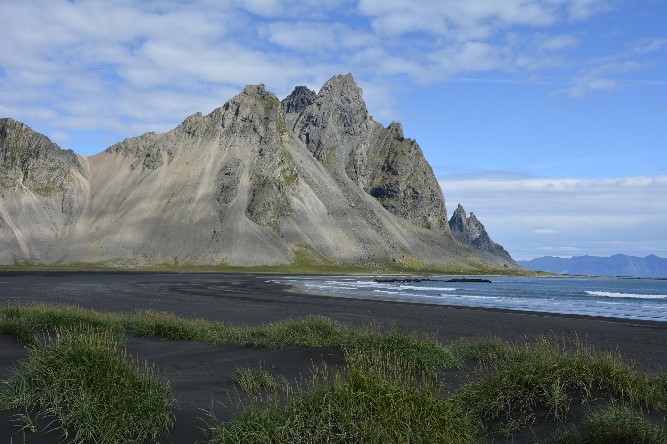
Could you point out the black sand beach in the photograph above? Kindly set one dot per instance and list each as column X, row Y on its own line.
column 201, row 374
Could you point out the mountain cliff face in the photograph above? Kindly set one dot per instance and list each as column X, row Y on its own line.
column 255, row 182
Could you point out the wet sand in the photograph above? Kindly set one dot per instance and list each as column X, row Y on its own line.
column 201, row 375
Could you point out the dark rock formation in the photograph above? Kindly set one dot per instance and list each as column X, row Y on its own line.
column 299, row 100
column 468, row 230
column 338, row 130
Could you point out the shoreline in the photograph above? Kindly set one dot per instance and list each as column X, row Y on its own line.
column 271, row 277
column 253, row 299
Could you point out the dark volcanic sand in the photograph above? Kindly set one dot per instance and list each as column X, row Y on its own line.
column 201, row 375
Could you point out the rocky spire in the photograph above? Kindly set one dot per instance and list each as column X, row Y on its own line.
column 468, row 230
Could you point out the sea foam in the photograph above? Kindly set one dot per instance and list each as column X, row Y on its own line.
column 610, row 294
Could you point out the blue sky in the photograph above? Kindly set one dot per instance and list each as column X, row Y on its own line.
column 546, row 118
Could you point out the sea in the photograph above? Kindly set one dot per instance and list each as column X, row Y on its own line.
column 611, row 297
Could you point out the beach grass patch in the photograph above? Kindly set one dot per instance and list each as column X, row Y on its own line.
column 517, row 386
column 613, row 424
column 80, row 377
column 374, row 399
column 254, row 380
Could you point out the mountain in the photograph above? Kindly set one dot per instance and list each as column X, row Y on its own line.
column 256, row 182
column 468, row 230
column 617, row 265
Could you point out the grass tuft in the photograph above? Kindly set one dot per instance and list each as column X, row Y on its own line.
column 254, row 380
column 614, row 424
column 374, row 399
column 518, row 386
column 81, row 378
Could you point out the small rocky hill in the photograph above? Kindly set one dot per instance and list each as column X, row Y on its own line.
column 257, row 181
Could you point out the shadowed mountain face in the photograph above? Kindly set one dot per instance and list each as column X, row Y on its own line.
column 256, row 182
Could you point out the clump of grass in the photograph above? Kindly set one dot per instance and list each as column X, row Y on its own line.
column 21, row 330
column 519, row 385
column 614, row 424
column 254, row 380
column 374, row 399
column 81, row 378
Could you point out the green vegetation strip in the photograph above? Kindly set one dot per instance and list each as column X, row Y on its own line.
column 392, row 388
column 23, row 320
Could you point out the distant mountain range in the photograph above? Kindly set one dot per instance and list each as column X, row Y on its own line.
column 617, row 265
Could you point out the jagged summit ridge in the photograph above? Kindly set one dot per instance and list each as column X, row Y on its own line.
column 298, row 100
column 257, row 181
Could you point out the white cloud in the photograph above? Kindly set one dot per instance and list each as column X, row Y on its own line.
column 467, row 19
column 92, row 61
column 559, row 42
column 537, row 216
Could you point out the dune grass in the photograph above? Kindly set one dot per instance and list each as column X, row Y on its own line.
column 392, row 388
column 612, row 424
column 307, row 332
column 377, row 398
column 516, row 387
column 80, row 378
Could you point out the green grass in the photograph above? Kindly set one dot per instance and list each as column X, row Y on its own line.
column 375, row 399
column 392, row 388
column 307, row 261
column 254, row 380
column 82, row 379
column 613, row 424
column 308, row 332
column 519, row 386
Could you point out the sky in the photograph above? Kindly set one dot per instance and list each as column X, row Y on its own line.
column 546, row 118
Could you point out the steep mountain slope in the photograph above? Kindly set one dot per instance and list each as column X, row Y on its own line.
column 616, row 265
column 255, row 182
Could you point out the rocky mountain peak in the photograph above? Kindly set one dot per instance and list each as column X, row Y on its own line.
column 299, row 100
column 343, row 97
column 336, row 118
column 468, row 230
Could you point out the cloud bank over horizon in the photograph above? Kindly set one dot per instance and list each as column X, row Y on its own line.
column 535, row 217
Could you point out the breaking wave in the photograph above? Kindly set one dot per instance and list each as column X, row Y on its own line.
column 609, row 294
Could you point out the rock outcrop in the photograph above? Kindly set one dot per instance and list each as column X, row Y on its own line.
column 255, row 182
column 468, row 230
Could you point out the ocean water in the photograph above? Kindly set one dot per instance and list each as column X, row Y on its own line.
column 644, row 299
